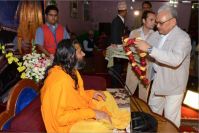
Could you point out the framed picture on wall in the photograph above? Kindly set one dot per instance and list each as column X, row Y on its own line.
column 86, row 16
column 74, row 9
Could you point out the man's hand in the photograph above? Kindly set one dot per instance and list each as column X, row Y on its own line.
column 99, row 94
column 124, row 42
column 43, row 50
column 102, row 115
column 142, row 45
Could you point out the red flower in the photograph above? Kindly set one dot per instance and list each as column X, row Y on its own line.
column 140, row 71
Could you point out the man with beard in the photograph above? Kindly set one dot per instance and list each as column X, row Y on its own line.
column 67, row 107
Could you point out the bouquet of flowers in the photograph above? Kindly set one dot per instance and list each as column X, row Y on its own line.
column 36, row 65
column 33, row 66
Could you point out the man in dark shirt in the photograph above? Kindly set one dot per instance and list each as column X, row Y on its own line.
column 118, row 26
column 117, row 32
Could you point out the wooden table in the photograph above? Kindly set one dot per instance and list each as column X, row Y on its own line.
column 164, row 125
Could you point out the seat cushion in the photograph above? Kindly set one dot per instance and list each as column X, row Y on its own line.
column 25, row 98
column 29, row 119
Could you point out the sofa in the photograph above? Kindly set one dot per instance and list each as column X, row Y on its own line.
column 23, row 113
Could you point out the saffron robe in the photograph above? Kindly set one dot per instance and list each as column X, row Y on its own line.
column 65, row 109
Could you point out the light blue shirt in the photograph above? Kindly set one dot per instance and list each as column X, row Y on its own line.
column 161, row 43
column 39, row 38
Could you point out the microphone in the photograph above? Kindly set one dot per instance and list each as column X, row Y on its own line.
column 140, row 121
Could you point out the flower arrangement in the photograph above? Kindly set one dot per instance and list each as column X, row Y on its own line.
column 139, row 70
column 33, row 65
column 36, row 65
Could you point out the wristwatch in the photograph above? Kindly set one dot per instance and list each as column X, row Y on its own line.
column 149, row 50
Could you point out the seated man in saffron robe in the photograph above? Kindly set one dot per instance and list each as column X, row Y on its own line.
column 67, row 107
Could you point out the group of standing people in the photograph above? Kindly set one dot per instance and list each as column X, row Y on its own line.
column 168, row 56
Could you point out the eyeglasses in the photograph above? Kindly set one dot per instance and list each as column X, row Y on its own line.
column 161, row 23
column 53, row 15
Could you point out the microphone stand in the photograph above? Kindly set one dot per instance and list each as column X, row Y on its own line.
column 135, row 125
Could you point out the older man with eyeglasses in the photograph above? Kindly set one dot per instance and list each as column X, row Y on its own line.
column 170, row 48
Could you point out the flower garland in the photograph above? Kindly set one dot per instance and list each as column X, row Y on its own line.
column 139, row 70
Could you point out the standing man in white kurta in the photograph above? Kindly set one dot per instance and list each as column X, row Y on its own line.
column 170, row 47
column 132, row 81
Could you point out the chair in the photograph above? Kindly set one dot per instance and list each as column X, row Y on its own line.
column 21, row 95
column 23, row 111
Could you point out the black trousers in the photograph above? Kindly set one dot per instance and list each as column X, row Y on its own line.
column 117, row 68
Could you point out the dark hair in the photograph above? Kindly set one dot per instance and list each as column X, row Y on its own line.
column 65, row 57
column 145, row 14
column 51, row 7
column 75, row 41
column 148, row 3
column 121, row 11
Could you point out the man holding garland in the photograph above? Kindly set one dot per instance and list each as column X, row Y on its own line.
column 170, row 47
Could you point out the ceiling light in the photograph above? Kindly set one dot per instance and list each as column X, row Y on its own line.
column 136, row 12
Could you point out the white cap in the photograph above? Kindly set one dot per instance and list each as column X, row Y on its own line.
column 122, row 5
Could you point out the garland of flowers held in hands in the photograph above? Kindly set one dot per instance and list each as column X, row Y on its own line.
column 139, row 70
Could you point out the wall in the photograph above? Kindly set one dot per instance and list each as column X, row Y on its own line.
column 7, row 13
column 105, row 11
column 184, row 13
column 76, row 25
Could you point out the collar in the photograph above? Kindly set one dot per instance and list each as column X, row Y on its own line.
column 144, row 36
column 52, row 26
column 141, row 30
column 121, row 18
column 170, row 32
column 164, row 37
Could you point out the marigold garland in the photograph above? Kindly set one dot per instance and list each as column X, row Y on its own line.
column 139, row 70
